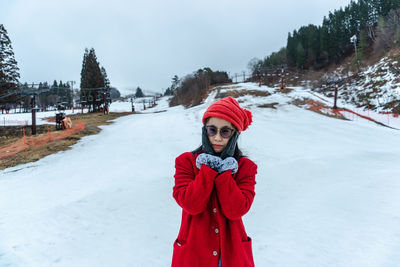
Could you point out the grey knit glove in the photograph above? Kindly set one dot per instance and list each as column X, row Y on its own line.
column 229, row 163
column 211, row 161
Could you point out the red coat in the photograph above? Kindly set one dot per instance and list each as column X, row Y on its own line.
column 212, row 210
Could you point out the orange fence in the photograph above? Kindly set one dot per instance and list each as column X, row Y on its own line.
column 319, row 107
column 34, row 141
column 390, row 113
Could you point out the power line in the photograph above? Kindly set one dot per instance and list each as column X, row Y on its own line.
column 7, row 95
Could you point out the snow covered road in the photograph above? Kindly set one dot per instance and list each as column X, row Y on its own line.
column 327, row 193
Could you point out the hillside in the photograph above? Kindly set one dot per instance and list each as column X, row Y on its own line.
column 376, row 86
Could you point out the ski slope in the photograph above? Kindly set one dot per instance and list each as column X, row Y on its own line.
column 327, row 193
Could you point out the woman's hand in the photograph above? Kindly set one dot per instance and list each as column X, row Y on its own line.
column 216, row 163
column 211, row 161
column 229, row 163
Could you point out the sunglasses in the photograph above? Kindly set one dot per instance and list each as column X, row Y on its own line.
column 225, row 131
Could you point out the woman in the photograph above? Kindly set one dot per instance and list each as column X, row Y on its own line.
column 214, row 185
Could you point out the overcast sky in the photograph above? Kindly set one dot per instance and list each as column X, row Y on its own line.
column 145, row 43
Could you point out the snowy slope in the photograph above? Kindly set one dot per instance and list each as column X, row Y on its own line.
column 327, row 192
column 376, row 86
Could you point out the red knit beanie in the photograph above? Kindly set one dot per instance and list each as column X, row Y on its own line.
column 228, row 109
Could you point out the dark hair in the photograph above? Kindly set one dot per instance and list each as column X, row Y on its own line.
column 237, row 154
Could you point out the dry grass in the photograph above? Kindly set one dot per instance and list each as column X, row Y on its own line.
column 300, row 102
column 285, row 90
column 269, row 105
column 92, row 121
column 239, row 93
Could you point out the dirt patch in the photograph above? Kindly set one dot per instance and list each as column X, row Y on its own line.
column 304, row 102
column 300, row 102
column 92, row 121
column 336, row 116
column 285, row 90
column 269, row 105
column 239, row 93
column 231, row 87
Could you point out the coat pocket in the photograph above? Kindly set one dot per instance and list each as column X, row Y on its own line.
column 248, row 252
column 178, row 254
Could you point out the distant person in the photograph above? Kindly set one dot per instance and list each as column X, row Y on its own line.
column 214, row 185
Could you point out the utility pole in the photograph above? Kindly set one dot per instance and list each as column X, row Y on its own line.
column 132, row 106
column 334, row 104
column 34, row 114
column 336, row 80
column 353, row 40
column 72, row 92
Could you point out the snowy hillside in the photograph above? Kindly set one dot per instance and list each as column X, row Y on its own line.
column 327, row 191
column 376, row 86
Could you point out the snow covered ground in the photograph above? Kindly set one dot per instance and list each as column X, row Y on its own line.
column 386, row 119
column 327, row 192
column 376, row 85
column 26, row 118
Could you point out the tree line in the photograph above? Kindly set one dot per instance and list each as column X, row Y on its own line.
column 192, row 89
column 375, row 23
column 95, row 85
column 50, row 96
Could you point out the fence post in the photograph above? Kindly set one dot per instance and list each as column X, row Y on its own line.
column 48, row 130
column 23, row 130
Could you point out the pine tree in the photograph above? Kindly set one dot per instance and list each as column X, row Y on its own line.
column 9, row 71
column 91, row 78
column 291, row 49
column 362, row 47
column 139, row 92
column 175, row 83
column 105, row 78
column 383, row 38
column 83, row 71
column 300, row 56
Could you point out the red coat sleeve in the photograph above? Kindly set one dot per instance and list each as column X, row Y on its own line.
column 192, row 192
column 236, row 197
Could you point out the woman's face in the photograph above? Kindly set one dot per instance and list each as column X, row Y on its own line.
column 217, row 141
